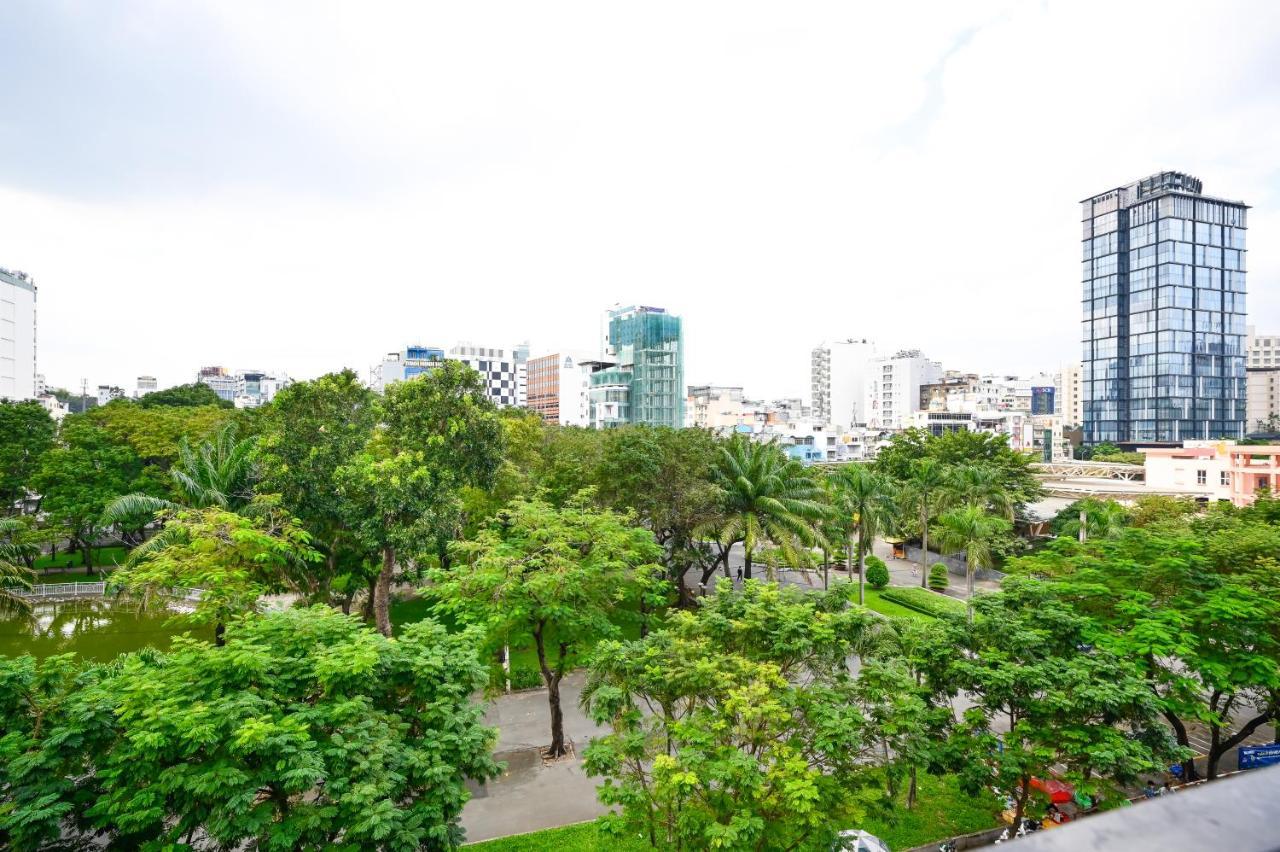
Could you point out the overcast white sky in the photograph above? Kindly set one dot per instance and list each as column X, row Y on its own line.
column 304, row 186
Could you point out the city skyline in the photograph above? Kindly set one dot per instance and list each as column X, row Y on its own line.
column 214, row 178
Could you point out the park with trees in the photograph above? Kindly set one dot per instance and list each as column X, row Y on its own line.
column 366, row 569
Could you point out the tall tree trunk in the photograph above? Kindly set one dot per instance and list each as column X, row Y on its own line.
column 1084, row 535
column 367, row 607
column 1218, row 746
column 911, row 790
column 924, row 549
column 382, row 592
column 1024, row 789
column 1189, row 772
column 826, row 559
column 552, row 680
column 862, row 571
column 86, row 555
column 746, row 571
column 969, row 571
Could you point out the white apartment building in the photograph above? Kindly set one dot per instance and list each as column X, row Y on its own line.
column 1262, row 376
column 1069, row 399
column 17, row 335
column 220, row 380
column 892, row 388
column 145, row 385
column 837, row 381
column 720, row 409
column 106, row 393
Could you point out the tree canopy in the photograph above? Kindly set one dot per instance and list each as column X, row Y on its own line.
column 306, row 731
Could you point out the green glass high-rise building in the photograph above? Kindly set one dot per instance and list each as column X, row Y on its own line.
column 646, row 383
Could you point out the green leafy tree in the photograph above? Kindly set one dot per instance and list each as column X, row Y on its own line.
column 866, row 498
column 1092, row 518
column 307, row 731
column 559, row 576
column 1196, row 603
column 766, row 496
column 79, row 477
column 664, row 476
column 156, row 433
column 14, row 575
column 220, row 473
column 232, row 559
column 961, row 448
column 739, row 725
column 1045, row 700
column 925, row 491
column 26, row 434
column 193, row 395
column 938, row 576
column 970, row 530
column 985, row 486
column 311, row 430
column 438, row 434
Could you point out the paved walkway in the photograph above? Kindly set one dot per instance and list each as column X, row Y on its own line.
column 902, row 572
column 529, row 796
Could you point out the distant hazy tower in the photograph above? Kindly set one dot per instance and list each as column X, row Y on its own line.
column 17, row 335
column 1164, row 313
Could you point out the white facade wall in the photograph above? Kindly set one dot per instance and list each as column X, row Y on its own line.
column 1184, row 470
column 1069, row 401
column 892, row 388
column 838, row 371
column 17, row 336
column 574, row 393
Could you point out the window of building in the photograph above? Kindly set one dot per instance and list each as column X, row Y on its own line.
column 1224, row 478
column 1202, row 476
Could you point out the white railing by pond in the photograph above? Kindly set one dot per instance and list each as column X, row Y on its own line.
column 99, row 589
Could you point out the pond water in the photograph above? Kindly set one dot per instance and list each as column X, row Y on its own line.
column 97, row 629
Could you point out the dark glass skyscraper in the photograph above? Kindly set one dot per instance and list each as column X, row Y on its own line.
column 1164, row 315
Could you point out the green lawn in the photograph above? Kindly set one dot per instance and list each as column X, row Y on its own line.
column 885, row 607
column 102, row 557
column 942, row 811
column 584, row 837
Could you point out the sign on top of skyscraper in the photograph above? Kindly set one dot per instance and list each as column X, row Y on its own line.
column 1163, row 325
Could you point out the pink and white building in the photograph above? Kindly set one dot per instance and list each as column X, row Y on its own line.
column 1214, row 470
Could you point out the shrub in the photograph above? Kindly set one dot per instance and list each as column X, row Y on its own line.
column 523, row 677
column 939, row 577
column 923, row 600
column 877, row 572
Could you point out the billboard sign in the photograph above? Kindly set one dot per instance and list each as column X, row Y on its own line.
column 1253, row 757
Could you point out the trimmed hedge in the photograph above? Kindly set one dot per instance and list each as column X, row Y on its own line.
column 939, row 577
column 923, row 600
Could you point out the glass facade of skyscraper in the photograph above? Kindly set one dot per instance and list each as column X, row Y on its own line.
column 1164, row 313
column 648, row 345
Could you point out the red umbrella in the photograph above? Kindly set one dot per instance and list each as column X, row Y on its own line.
column 1059, row 792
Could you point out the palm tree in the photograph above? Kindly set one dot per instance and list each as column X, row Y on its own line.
column 1097, row 518
column 926, row 491
column 866, row 499
column 13, row 574
column 766, row 495
column 983, row 486
column 219, row 473
column 971, row 530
